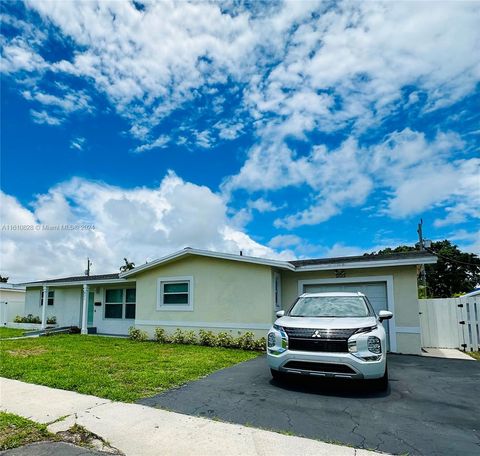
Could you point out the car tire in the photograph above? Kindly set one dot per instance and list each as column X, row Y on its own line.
column 381, row 384
column 277, row 375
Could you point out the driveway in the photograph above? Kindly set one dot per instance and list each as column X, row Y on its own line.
column 432, row 406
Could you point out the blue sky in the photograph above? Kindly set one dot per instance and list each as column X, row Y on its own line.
column 286, row 129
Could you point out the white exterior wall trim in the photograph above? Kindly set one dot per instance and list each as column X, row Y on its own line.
column 79, row 283
column 390, row 296
column 202, row 324
column 368, row 264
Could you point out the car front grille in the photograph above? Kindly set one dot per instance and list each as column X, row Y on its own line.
column 319, row 340
column 306, row 333
column 319, row 367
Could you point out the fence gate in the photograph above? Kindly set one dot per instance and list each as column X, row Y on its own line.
column 450, row 323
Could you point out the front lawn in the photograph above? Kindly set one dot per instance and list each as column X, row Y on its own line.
column 11, row 332
column 16, row 431
column 117, row 369
column 475, row 355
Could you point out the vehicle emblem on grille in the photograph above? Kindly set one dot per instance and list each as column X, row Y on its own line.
column 317, row 333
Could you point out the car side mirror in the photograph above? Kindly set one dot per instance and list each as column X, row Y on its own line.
column 280, row 313
column 384, row 315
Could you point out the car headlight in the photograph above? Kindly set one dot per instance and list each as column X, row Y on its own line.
column 374, row 345
column 278, row 328
column 366, row 329
column 271, row 339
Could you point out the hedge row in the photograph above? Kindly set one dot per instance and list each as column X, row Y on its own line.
column 246, row 341
column 31, row 319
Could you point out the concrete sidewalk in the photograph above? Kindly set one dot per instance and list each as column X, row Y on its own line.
column 140, row 430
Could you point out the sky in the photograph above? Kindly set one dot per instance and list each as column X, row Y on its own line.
column 283, row 129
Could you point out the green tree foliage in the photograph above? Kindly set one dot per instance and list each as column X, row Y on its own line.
column 127, row 266
column 455, row 272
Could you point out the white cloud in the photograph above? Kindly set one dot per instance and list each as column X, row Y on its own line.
column 77, row 143
column 262, row 205
column 159, row 143
column 43, row 117
column 284, row 241
column 137, row 223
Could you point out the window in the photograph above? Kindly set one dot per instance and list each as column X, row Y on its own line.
column 120, row 303
column 114, row 303
column 131, row 297
column 50, row 299
column 175, row 293
column 330, row 306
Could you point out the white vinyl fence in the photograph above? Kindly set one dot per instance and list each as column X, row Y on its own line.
column 450, row 323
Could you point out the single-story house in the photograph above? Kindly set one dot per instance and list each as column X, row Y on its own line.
column 12, row 302
column 199, row 289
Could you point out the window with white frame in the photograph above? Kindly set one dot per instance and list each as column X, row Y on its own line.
column 175, row 293
column 120, row 303
column 50, row 299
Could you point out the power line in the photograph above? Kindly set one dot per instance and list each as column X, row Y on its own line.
column 451, row 259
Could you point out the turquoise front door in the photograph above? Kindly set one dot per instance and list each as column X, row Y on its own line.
column 91, row 298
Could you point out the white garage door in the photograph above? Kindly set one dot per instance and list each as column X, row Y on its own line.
column 376, row 292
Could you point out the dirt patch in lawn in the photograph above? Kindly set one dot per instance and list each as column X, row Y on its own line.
column 24, row 353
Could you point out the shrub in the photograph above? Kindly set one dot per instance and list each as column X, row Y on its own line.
column 225, row 340
column 52, row 320
column 190, row 337
column 246, row 341
column 178, row 337
column 207, row 338
column 28, row 319
column 137, row 334
column 261, row 344
column 161, row 336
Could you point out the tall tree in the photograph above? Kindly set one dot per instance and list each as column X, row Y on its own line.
column 455, row 272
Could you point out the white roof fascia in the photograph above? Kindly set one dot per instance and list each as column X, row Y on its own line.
column 208, row 253
column 78, row 283
column 368, row 264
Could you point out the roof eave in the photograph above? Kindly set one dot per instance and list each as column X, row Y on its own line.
column 77, row 283
column 206, row 253
column 369, row 264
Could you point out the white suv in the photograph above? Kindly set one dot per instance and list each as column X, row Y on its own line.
column 330, row 335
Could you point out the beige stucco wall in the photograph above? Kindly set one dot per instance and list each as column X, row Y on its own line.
column 228, row 295
column 404, row 293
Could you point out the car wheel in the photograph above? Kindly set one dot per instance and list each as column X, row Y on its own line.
column 381, row 384
column 277, row 375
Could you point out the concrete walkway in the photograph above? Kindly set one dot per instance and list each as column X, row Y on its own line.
column 139, row 430
column 449, row 353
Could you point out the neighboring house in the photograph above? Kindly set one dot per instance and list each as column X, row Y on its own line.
column 12, row 302
column 198, row 289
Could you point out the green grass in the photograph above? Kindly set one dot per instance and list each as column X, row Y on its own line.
column 113, row 368
column 16, row 431
column 475, row 355
column 11, row 332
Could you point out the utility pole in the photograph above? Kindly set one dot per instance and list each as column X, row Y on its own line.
column 421, row 247
column 87, row 271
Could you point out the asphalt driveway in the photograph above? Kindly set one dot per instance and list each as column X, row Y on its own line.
column 432, row 406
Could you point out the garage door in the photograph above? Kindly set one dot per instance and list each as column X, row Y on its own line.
column 376, row 292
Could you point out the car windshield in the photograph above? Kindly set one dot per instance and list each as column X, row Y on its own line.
column 330, row 306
